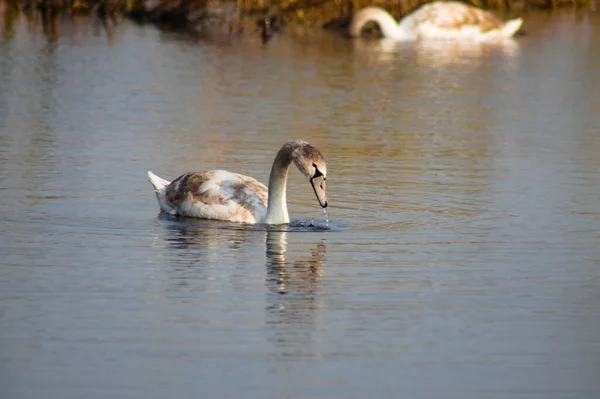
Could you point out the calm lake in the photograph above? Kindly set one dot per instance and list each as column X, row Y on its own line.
column 460, row 260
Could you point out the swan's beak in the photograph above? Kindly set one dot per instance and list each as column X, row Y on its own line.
column 318, row 183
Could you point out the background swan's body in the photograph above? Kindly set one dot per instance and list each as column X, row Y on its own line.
column 223, row 195
column 438, row 20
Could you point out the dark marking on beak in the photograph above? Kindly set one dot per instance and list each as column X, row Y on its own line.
column 318, row 184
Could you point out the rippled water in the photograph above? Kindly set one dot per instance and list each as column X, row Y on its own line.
column 462, row 257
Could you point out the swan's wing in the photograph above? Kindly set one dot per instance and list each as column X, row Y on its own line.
column 454, row 15
column 218, row 194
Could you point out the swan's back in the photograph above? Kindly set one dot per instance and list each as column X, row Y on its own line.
column 455, row 15
column 216, row 194
column 451, row 19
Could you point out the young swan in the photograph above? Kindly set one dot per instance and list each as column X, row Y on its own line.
column 438, row 20
column 222, row 195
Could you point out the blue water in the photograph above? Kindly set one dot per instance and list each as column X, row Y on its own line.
column 461, row 257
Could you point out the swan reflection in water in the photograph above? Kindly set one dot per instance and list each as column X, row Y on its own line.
column 293, row 284
column 226, row 253
column 433, row 52
column 295, row 272
column 205, row 241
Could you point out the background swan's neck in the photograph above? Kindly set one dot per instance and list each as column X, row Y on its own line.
column 277, row 212
column 388, row 25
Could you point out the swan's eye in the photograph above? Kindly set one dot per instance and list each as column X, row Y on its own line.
column 317, row 172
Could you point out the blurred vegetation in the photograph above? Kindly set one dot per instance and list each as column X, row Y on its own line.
column 250, row 15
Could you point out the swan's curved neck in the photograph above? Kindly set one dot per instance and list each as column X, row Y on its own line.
column 388, row 25
column 277, row 212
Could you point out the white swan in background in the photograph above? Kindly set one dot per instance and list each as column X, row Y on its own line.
column 438, row 20
column 222, row 195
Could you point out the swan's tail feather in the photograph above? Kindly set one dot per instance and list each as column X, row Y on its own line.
column 511, row 27
column 160, row 186
column 158, row 182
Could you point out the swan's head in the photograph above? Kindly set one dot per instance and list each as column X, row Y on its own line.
column 311, row 163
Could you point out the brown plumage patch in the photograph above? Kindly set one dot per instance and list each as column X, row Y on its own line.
column 187, row 187
column 243, row 190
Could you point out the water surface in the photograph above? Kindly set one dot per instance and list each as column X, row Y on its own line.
column 462, row 258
